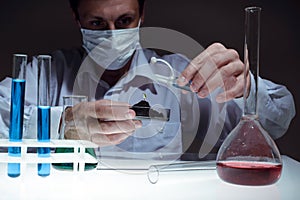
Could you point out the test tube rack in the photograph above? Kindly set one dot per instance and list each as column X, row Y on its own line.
column 78, row 157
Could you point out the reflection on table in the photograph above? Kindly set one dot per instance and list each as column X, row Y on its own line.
column 127, row 179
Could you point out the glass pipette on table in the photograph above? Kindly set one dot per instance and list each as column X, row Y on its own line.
column 155, row 171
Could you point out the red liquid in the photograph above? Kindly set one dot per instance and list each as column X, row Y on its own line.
column 249, row 173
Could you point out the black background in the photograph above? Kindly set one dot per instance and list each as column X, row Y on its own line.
column 41, row 26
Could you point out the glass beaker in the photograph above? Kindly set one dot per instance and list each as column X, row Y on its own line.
column 17, row 110
column 44, row 111
column 71, row 131
column 69, row 101
column 249, row 156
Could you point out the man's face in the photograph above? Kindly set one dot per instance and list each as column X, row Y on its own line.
column 108, row 14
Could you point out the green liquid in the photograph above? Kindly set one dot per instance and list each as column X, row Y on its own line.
column 69, row 166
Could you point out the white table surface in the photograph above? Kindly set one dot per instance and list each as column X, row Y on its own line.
column 134, row 184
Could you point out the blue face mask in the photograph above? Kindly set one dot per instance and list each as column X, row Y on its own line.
column 111, row 49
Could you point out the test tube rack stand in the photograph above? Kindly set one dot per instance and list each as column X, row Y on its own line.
column 78, row 157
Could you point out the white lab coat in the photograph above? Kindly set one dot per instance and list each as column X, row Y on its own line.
column 191, row 117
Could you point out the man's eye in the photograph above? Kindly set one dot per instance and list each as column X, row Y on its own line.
column 124, row 22
column 98, row 24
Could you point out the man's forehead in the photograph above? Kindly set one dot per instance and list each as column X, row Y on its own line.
column 108, row 2
column 108, row 8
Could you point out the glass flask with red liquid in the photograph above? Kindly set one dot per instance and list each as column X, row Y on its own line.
column 249, row 156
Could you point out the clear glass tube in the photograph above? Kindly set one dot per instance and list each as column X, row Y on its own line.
column 44, row 110
column 156, row 171
column 249, row 156
column 17, row 110
column 251, row 56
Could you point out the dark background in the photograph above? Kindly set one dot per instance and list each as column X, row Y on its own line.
column 41, row 26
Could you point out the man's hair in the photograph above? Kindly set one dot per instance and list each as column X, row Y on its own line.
column 75, row 3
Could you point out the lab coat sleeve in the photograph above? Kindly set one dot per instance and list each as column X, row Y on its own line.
column 4, row 107
column 276, row 107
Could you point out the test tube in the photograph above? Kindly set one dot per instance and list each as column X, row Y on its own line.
column 155, row 171
column 17, row 110
column 44, row 111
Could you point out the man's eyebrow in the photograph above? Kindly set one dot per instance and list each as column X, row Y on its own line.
column 91, row 16
column 126, row 15
column 94, row 17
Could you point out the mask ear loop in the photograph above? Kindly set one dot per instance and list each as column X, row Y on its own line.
column 139, row 24
column 172, row 80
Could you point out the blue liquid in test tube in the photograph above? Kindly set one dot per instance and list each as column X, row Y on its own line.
column 44, row 111
column 16, row 123
column 44, row 115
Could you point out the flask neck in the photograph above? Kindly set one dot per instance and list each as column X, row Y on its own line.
column 251, row 98
column 249, row 117
column 251, row 59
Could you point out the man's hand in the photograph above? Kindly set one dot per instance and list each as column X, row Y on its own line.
column 104, row 122
column 216, row 67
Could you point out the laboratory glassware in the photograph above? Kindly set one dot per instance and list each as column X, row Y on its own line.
column 169, row 80
column 249, row 156
column 17, row 110
column 156, row 171
column 44, row 111
column 68, row 102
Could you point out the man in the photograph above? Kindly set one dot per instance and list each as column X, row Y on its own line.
column 112, row 68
